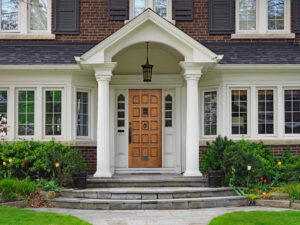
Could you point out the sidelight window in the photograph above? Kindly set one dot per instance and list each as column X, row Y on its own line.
column 82, row 114
column 210, row 113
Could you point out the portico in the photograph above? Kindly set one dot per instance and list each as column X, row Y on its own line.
column 179, row 61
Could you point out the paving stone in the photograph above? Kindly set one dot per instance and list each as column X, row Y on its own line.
column 133, row 196
column 273, row 203
column 165, row 196
column 164, row 205
column 104, row 196
column 149, row 196
column 89, row 195
column 149, row 206
column 295, row 205
column 180, row 205
column 118, row 196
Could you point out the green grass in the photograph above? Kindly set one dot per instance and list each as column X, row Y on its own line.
column 13, row 216
column 258, row 218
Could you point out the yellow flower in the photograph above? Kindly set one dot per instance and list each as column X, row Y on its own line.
column 279, row 163
column 10, row 160
column 4, row 163
column 56, row 164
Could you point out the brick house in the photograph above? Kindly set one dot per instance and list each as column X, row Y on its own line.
column 71, row 70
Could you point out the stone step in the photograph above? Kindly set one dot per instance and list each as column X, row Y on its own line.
column 147, row 181
column 181, row 203
column 139, row 193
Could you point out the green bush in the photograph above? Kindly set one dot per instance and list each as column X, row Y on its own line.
column 38, row 160
column 16, row 189
column 46, row 185
column 231, row 156
column 294, row 191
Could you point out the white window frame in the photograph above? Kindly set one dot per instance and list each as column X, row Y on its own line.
column 24, row 20
column 275, row 111
column 262, row 19
column 62, row 112
column 89, row 91
column 17, row 113
column 151, row 4
column 202, row 125
column 248, row 89
column 283, row 110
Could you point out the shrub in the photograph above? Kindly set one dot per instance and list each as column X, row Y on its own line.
column 294, row 191
column 227, row 155
column 38, row 160
column 16, row 189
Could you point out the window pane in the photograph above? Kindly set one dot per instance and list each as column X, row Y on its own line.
column 292, row 111
column 9, row 15
column 265, row 112
column 3, row 103
column 82, row 113
column 38, row 15
column 139, row 7
column 161, row 7
column 26, row 113
column 276, row 14
column 239, row 111
column 247, row 18
column 210, row 113
column 168, row 110
column 53, row 113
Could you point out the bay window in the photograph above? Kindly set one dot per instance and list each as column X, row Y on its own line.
column 26, row 112
column 239, row 112
column 292, row 111
column 53, row 113
column 263, row 16
column 265, row 112
column 25, row 16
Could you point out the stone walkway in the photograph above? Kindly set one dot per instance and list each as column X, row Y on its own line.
column 152, row 217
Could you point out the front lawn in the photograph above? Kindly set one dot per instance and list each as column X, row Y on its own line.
column 258, row 218
column 13, row 216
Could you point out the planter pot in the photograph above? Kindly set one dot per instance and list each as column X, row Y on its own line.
column 79, row 180
column 214, row 178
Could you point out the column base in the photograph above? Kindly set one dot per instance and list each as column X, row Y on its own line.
column 102, row 174
column 196, row 173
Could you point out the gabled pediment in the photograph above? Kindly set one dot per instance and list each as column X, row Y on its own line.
column 149, row 27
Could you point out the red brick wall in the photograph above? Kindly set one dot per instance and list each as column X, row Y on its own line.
column 95, row 26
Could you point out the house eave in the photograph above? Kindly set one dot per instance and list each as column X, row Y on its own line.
column 257, row 67
column 73, row 67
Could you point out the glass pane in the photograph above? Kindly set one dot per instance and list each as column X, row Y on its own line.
column 9, row 15
column 275, row 14
column 161, row 7
column 139, row 7
column 247, row 14
column 292, row 111
column 239, row 110
column 38, row 15
column 53, row 113
column 121, row 98
column 82, row 114
column 26, row 113
column 210, row 113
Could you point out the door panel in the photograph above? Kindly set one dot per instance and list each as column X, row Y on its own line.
column 145, row 121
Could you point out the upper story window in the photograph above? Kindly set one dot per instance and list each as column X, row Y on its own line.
column 25, row 16
column 161, row 7
column 263, row 16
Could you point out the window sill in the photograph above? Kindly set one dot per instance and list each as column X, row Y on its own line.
column 16, row 36
column 264, row 36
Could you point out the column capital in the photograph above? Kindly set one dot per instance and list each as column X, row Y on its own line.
column 191, row 70
column 103, row 71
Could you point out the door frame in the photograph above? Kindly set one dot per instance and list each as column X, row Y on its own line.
column 179, row 152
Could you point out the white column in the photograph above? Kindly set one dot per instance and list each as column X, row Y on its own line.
column 103, row 73
column 192, row 126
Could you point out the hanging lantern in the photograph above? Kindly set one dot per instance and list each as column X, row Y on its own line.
column 147, row 68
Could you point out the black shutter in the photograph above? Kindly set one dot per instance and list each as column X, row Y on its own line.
column 296, row 12
column 221, row 16
column 66, row 17
column 183, row 9
column 118, row 9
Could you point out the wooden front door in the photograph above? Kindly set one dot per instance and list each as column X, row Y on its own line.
column 145, row 139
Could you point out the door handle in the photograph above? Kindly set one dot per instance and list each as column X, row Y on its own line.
column 129, row 136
